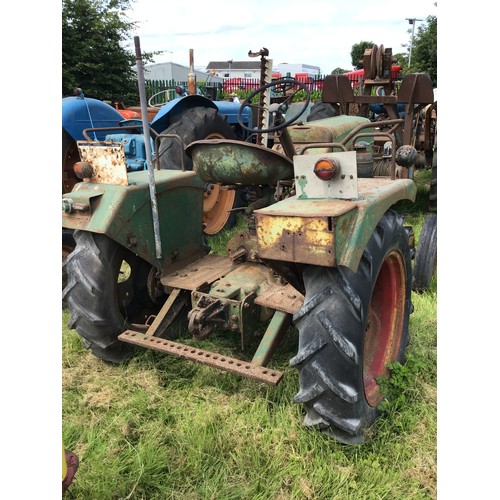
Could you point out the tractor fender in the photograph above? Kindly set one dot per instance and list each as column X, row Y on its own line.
column 163, row 118
column 80, row 113
column 328, row 232
column 123, row 213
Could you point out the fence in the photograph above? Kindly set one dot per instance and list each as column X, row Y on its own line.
column 249, row 84
column 228, row 86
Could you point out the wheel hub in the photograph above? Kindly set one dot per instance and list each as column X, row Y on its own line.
column 384, row 325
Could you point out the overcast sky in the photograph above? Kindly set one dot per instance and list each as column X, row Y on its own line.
column 320, row 33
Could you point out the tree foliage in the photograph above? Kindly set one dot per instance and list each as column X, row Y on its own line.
column 357, row 52
column 339, row 71
column 424, row 52
column 94, row 53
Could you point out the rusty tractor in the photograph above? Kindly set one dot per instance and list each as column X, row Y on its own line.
column 324, row 251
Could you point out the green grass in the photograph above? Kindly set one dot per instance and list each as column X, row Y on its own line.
column 159, row 427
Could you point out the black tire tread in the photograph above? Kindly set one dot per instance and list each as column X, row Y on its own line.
column 193, row 124
column 331, row 327
column 425, row 255
column 89, row 299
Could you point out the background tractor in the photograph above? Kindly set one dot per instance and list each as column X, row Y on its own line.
column 324, row 250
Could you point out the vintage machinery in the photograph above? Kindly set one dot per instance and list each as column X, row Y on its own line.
column 325, row 251
column 91, row 119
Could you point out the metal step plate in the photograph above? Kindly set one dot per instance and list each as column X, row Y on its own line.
column 282, row 298
column 225, row 363
column 203, row 271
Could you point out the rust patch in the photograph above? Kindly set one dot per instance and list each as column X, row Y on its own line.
column 281, row 298
column 206, row 270
column 107, row 160
column 297, row 239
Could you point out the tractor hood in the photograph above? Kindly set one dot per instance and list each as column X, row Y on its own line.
column 80, row 113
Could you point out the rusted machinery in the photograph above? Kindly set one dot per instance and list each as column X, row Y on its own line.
column 324, row 251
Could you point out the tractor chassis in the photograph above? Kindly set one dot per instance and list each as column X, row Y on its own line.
column 227, row 295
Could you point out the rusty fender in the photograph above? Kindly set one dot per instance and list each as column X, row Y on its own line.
column 328, row 232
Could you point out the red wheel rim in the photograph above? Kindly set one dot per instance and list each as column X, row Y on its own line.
column 384, row 327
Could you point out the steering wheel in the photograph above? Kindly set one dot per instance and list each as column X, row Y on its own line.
column 167, row 93
column 282, row 84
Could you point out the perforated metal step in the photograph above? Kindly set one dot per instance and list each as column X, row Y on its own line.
column 216, row 360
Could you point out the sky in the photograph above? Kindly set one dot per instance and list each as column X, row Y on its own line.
column 295, row 32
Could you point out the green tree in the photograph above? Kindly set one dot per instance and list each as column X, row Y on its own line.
column 339, row 71
column 357, row 52
column 94, row 53
column 424, row 52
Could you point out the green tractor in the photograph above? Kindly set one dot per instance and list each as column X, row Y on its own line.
column 324, row 251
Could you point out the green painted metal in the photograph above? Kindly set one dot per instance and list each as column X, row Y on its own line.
column 340, row 126
column 124, row 214
column 340, row 228
column 275, row 330
column 235, row 162
column 237, row 290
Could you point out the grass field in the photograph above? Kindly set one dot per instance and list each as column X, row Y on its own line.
column 159, row 427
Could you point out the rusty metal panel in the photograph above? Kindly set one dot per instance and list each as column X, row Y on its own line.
column 296, row 239
column 215, row 360
column 203, row 271
column 328, row 232
column 108, row 162
column 308, row 208
column 281, row 298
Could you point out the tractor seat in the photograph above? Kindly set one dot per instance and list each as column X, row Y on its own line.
column 228, row 161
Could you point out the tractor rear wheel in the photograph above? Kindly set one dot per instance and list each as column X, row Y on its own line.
column 197, row 124
column 351, row 326
column 425, row 255
column 106, row 294
column 433, row 184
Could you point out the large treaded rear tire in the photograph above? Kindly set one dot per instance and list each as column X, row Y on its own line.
column 425, row 255
column 197, row 124
column 350, row 327
column 433, row 184
column 102, row 301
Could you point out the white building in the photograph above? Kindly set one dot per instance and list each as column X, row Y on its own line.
column 173, row 71
column 251, row 69
column 234, row 69
column 286, row 69
column 218, row 71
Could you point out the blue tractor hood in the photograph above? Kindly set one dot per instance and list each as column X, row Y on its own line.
column 80, row 113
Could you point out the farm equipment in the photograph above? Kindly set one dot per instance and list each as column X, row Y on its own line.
column 324, row 251
column 190, row 117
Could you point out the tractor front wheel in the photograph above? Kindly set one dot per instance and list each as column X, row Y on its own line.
column 351, row 326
